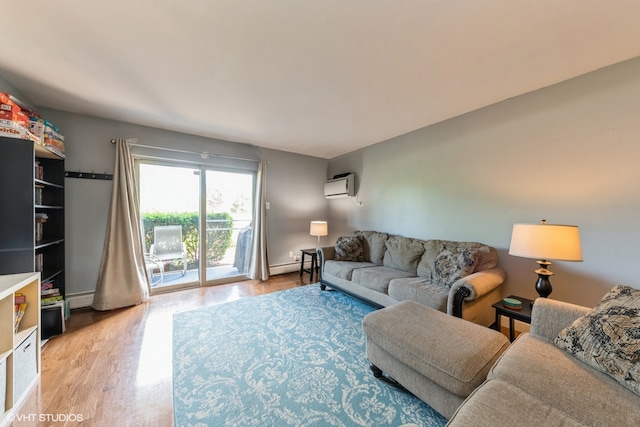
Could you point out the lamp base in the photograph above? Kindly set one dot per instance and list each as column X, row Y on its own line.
column 543, row 285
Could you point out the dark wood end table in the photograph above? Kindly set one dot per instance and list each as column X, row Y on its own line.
column 314, row 263
column 523, row 315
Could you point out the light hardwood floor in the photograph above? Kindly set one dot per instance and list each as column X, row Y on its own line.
column 114, row 368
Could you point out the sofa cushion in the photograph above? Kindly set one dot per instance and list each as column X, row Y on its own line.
column 421, row 291
column 498, row 403
column 349, row 248
column 373, row 245
column 403, row 253
column 343, row 269
column 608, row 337
column 538, row 367
column 377, row 278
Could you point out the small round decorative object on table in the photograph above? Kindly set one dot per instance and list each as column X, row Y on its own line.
column 512, row 303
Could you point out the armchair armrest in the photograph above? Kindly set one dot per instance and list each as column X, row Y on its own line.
column 549, row 317
column 472, row 287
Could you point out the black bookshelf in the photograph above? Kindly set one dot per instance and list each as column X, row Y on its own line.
column 32, row 236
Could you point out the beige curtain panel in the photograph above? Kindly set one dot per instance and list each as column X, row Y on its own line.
column 259, row 260
column 122, row 280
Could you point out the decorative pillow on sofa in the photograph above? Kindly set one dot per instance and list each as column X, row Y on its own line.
column 453, row 263
column 607, row 338
column 349, row 248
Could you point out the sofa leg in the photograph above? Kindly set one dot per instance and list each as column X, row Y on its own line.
column 377, row 372
column 322, row 287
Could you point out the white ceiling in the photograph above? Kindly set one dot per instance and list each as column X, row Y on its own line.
column 317, row 77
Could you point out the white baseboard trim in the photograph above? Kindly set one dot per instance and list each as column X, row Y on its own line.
column 289, row 267
column 80, row 300
column 85, row 299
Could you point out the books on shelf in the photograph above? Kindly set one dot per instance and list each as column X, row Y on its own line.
column 38, row 193
column 20, row 306
column 41, row 218
column 38, row 170
column 51, row 300
column 49, row 294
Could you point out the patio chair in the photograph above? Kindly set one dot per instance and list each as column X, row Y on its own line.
column 153, row 263
column 168, row 245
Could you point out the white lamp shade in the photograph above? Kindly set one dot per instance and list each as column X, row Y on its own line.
column 319, row 228
column 546, row 241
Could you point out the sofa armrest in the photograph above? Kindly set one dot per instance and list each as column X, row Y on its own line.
column 479, row 283
column 549, row 317
column 325, row 253
column 472, row 287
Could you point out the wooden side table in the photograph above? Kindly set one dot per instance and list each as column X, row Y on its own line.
column 314, row 263
column 523, row 315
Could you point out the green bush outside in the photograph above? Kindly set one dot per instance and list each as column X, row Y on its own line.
column 218, row 241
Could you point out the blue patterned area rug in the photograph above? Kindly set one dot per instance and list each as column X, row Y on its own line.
column 290, row 358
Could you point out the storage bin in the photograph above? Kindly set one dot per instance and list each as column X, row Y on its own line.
column 52, row 320
column 24, row 365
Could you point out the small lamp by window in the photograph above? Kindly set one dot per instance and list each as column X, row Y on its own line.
column 319, row 228
column 543, row 242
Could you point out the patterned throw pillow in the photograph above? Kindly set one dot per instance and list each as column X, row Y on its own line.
column 349, row 248
column 453, row 263
column 607, row 338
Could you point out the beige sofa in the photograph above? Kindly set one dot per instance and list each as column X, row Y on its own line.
column 535, row 383
column 458, row 278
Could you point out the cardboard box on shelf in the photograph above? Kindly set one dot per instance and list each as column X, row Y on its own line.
column 18, row 117
column 6, row 104
column 12, row 129
column 48, row 134
column 54, row 146
column 36, row 126
column 9, row 110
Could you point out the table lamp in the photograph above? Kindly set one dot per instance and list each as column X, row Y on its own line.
column 319, row 228
column 543, row 242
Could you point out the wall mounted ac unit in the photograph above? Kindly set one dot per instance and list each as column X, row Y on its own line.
column 340, row 187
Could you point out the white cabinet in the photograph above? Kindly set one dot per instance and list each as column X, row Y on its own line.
column 19, row 350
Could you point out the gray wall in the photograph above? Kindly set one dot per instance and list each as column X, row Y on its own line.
column 567, row 153
column 294, row 189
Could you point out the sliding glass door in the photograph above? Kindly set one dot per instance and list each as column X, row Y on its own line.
column 229, row 210
column 196, row 223
column 169, row 209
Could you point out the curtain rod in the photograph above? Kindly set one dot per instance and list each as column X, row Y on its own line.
column 202, row 154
